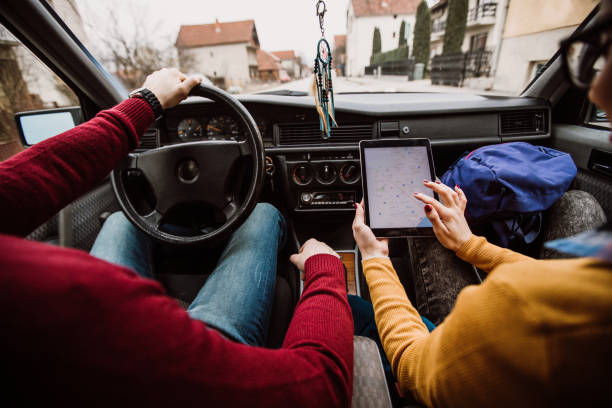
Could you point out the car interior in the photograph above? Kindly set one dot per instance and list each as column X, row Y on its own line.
column 268, row 148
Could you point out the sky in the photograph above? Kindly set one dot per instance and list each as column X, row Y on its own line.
column 281, row 24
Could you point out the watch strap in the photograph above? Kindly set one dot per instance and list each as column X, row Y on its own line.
column 151, row 99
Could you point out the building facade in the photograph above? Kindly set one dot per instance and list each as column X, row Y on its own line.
column 268, row 66
column 291, row 63
column 532, row 34
column 224, row 52
column 363, row 16
column 483, row 32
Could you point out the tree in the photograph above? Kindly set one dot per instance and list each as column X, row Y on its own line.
column 402, row 36
column 376, row 42
column 422, row 35
column 129, row 44
column 455, row 26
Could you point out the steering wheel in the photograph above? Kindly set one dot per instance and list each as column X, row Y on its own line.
column 195, row 172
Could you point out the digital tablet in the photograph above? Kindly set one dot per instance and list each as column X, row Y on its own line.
column 391, row 171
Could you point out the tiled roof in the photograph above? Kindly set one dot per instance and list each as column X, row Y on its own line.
column 284, row 55
column 384, row 7
column 267, row 61
column 217, row 33
column 339, row 41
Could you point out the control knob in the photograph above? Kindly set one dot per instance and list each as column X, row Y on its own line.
column 302, row 174
column 306, row 198
column 327, row 173
column 349, row 173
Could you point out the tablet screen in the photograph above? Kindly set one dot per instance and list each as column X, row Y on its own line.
column 393, row 175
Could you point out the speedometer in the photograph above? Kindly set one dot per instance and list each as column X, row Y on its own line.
column 223, row 128
column 189, row 128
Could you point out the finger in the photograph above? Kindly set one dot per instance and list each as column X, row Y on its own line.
column 359, row 214
column 435, row 220
column 295, row 259
column 189, row 83
column 433, row 202
column 462, row 197
column 448, row 195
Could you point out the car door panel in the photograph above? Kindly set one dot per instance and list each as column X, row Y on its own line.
column 582, row 142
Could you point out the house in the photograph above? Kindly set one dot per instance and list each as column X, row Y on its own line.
column 339, row 54
column 363, row 16
column 439, row 13
column 268, row 66
column 483, row 32
column 531, row 36
column 289, row 62
column 225, row 52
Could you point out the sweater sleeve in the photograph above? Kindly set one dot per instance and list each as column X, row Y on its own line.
column 398, row 322
column 41, row 180
column 112, row 338
column 486, row 256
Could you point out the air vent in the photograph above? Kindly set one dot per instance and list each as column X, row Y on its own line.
column 149, row 140
column 523, row 122
column 309, row 133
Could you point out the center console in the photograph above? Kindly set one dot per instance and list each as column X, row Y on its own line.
column 324, row 180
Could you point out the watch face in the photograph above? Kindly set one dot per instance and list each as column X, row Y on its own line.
column 136, row 92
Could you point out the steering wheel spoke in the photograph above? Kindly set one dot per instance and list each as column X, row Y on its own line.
column 153, row 219
column 244, row 148
column 230, row 209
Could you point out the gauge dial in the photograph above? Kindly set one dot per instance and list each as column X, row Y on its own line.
column 349, row 173
column 223, row 128
column 189, row 128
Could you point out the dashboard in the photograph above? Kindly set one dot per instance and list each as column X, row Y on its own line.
column 315, row 174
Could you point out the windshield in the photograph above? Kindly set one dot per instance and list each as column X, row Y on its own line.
column 243, row 46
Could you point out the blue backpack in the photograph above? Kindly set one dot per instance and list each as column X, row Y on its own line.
column 508, row 186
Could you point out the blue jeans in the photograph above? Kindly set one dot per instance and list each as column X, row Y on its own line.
column 237, row 297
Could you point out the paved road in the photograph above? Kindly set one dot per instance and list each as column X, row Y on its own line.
column 371, row 84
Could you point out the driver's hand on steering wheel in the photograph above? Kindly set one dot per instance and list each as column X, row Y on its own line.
column 171, row 86
column 310, row 248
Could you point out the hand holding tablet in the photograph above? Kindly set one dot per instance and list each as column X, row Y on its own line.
column 392, row 170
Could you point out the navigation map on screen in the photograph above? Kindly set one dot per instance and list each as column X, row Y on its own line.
column 393, row 175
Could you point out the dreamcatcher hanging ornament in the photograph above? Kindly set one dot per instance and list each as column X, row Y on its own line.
column 322, row 84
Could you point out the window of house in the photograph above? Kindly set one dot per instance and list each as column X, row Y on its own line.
column 25, row 84
column 478, row 42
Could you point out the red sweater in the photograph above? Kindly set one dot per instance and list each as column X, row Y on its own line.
column 76, row 329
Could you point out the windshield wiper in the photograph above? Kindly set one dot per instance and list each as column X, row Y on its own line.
column 284, row 92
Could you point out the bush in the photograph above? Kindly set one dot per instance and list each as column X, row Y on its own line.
column 422, row 35
column 455, row 26
column 398, row 54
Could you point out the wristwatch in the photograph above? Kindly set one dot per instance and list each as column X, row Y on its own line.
column 151, row 99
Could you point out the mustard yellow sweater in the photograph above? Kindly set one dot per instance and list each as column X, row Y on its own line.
column 534, row 333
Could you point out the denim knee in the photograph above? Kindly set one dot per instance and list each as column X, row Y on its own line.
column 116, row 220
column 265, row 212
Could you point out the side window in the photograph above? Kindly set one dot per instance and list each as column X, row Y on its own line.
column 25, row 84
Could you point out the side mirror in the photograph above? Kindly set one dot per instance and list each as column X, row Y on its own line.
column 36, row 126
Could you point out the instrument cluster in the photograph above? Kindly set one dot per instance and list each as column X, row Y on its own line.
column 216, row 127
